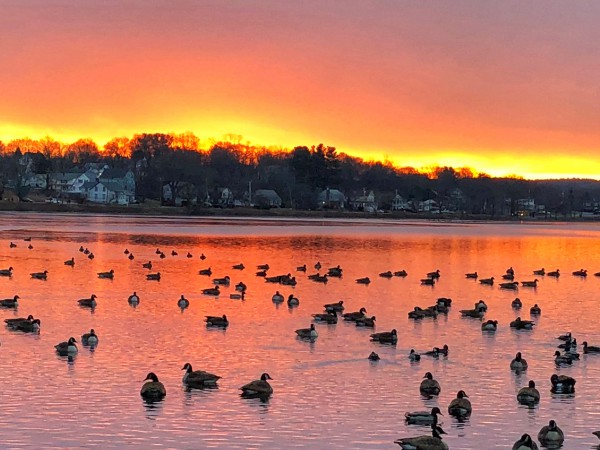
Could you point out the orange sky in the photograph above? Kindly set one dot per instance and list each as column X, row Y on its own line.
column 506, row 87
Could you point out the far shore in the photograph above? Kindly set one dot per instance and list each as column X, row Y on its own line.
column 155, row 209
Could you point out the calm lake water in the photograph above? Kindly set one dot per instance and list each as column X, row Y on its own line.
column 326, row 394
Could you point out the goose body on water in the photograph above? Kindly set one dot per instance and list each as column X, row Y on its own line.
column 88, row 302
column 521, row 324
column 183, row 302
column 525, row 443
column 472, row 275
column 153, row 276
column 6, row 272
column 423, row 417
column 206, row 272
column 554, row 273
column 134, row 299
column 222, row 281
column 292, row 301
column 562, row 384
column 338, row 306
column 429, row 386
column 109, row 275
column 490, row 325
column 385, row 337
column 580, row 273
column 476, row 313
column 67, row 348
column 216, row 321
column 365, row 280
column 238, row 267
column 511, row 285
column 400, row 273
column 517, row 303
column 214, row 291
column 13, row 322
column 32, row 326
column 433, row 442
column 10, row 302
column 374, row 357
column 147, row 265
column 307, row 333
column 528, row 395
column 329, row 317
column 152, row 389
column 198, row 378
column 90, row 338
column 258, row 388
column 535, row 310
column 562, row 360
column 532, row 284
column 518, row 363
column 414, row 356
column 354, row 316
column 539, row 272
column 460, row 406
column 40, row 275
column 277, row 297
column 70, row 262
column 590, row 349
column 551, row 435
column 368, row 322
column 487, row 281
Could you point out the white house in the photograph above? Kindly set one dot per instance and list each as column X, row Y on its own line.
column 35, row 181
column 400, row 204
column 76, row 185
column 365, row 202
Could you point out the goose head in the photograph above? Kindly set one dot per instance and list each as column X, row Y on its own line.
column 531, row 384
column 265, row 376
column 187, row 367
column 461, row 394
column 428, row 376
column 151, row 376
column 72, row 341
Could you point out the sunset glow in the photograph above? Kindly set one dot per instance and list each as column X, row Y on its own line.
column 505, row 88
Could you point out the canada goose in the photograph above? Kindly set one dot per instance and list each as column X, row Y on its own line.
column 436, row 352
column 516, row 303
column 414, row 356
column 30, row 247
column 580, row 273
column 423, row 417
column 86, row 251
column 374, row 357
column 214, row 291
column 417, row 313
column 91, row 256
column 307, row 333
column 513, row 285
column 207, row 272
column 81, row 248
column 289, row 281
column 240, row 296
column 387, row 274
column 240, row 287
column 518, row 364
column 565, row 337
column 525, row 443
column 110, row 274
column 435, row 274
column 153, row 276
column 189, row 255
column 174, row 253
column 437, row 308
column 532, row 284
column 368, row 322
column 528, row 395
column 444, row 301
column 6, row 272
column 10, row 302
column 354, row 316
column 539, row 272
column 70, row 262
column 335, row 272
column 198, row 378
column 152, row 390
column 429, row 386
column 301, row 268
column 460, row 406
column 292, row 301
column 555, row 273
column 277, row 297
column 562, row 360
column 319, row 278
column 126, row 251
column 13, row 245
column 147, row 265
column 562, row 384
column 238, row 267
column 433, row 442
column 202, row 256
column 158, row 251
column 28, row 326
column 13, row 322
column 590, row 348
column 275, row 279
column 88, row 302
column 490, row 325
column 183, row 302
column 428, row 281
column 222, row 281
column 520, row 324
column 90, row 338
column 40, row 275
column 133, row 299
column 216, row 321
column 487, row 281
column 263, row 267
column 551, row 435
column 481, row 305
column 67, row 348
column 510, row 271
column 161, row 255
column 385, row 337
column 508, row 277
column 338, row 306
column 258, row 388
column 472, row 275
column 131, row 257
column 596, row 433
column 364, row 280
column 317, row 266
column 477, row 313
column 400, row 273
column 330, row 317
column 535, row 310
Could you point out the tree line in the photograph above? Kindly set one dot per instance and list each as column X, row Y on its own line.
column 297, row 175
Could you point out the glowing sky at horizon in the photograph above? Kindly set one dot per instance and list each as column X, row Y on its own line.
column 504, row 87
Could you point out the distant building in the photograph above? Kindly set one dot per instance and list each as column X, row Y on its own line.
column 267, row 197
column 331, row 199
column 365, row 202
column 35, row 181
column 187, row 194
column 400, row 204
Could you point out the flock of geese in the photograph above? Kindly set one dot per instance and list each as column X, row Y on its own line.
column 153, row 390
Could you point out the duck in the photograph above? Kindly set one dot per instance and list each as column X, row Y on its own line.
column 429, row 386
column 513, row 285
column 535, row 310
column 525, row 443
column 158, row 251
column 81, row 249
column 90, row 338
column 532, row 284
column 238, row 267
column 364, row 280
column 428, row 281
column 423, row 417
column 277, row 297
column 183, row 302
column 551, row 435
column 554, row 273
column 240, row 287
column 6, row 272
column 86, row 251
column 67, row 348
column 207, row 272
column 153, row 276
column 70, row 262
column 518, row 363
column 216, row 321
column 162, row 255
column 10, row 302
column 368, row 322
column 152, row 389
column 562, row 384
column 413, row 355
column 528, row 395
column 329, row 318
column 189, row 255
column 27, row 326
column 292, row 301
column 580, row 273
column 562, row 360
column 490, row 325
column 307, row 333
column 222, row 281
column 385, row 337
column 354, row 316
column 110, row 274
column 520, row 324
column 539, row 272
column 40, row 275
column 460, row 406
column 433, row 442
column 301, row 268
column 435, row 274
column 258, row 388
column 401, row 273
column 487, row 281
column 587, row 349
column 12, row 245
column 133, row 299
column 202, row 256
column 147, row 265
column 126, row 251
column 215, row 291
column 387, row 274
column 13, row 322
column 472, row 275
column 374, row 357
column 174, row 253
column 88, row 302
column 337, row 306
column 198, row 378
column 516, row 303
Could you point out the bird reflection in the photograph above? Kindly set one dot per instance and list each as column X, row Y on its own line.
column 152, row 408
